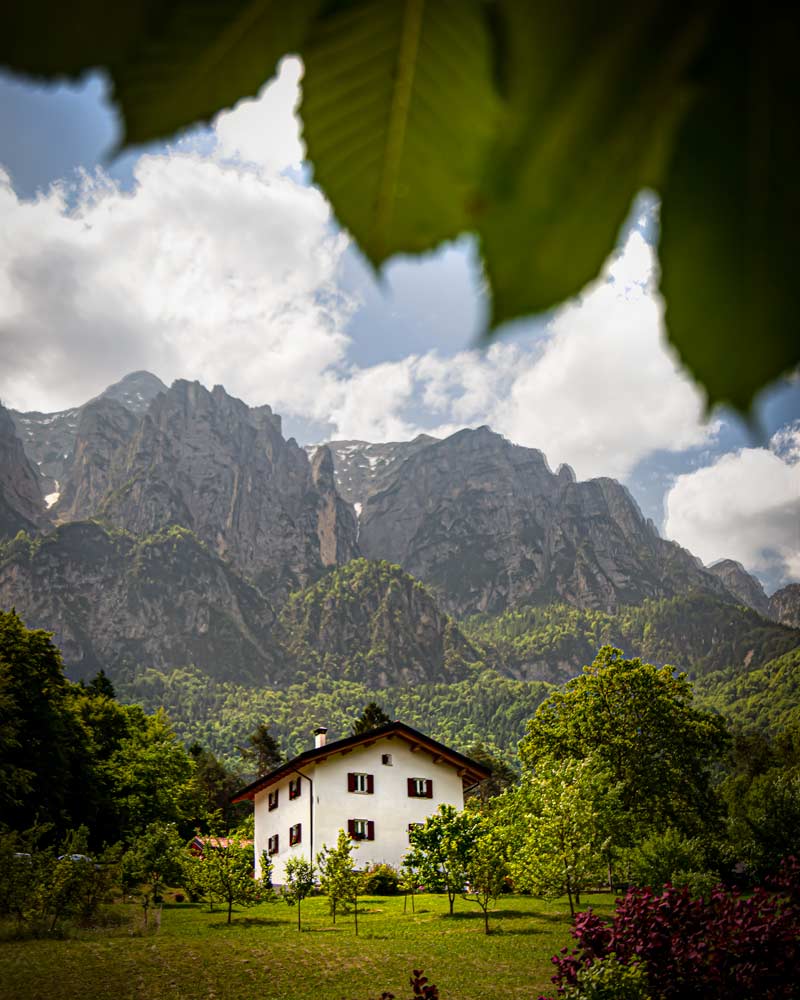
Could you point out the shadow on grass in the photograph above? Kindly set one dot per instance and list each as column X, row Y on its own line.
column 547, row 918
column 244, row 923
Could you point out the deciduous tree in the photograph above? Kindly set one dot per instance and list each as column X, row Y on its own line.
column 225, row 871
column 299, row 875
column 338, row 879
column 441, row 848
column 154, row 860
column 552, row 820
column 638, row 725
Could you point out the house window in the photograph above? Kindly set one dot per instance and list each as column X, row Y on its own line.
column 361, row 829
column 295, row 834
column 272, row 844
column 386, row 758
column 294, row 788
column 420, row 788
column 363, row 783
column 273, row 800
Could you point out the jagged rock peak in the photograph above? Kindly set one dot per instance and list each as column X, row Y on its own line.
column 566, row 473
column 134, row 391
column 322, row 468
column 337, row 525
column 743, row 585
column 49, row 438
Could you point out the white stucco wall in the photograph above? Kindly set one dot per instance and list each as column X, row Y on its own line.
column 389, row 807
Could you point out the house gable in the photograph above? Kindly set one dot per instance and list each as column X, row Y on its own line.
column 376, row 787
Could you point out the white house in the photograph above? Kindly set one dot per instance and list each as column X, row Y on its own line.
column 376, row 786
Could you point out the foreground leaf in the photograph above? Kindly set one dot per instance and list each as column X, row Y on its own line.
column 172, row 65
column 731, row 207
column 399, row 107
column 592, row 98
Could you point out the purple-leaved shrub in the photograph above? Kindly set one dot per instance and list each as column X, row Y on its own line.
column 723, row 946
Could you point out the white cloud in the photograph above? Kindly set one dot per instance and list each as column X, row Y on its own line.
column 207, row 269
column 606, row 391
column 745, row 506
column 266, row 130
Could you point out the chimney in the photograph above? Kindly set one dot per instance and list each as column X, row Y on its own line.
column 320, row 736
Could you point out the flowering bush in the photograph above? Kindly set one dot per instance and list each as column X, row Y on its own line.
column 720, row 947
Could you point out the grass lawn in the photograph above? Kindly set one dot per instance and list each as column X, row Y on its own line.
column 261, row 956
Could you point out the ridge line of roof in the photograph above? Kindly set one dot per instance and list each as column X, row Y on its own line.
column 314, row 753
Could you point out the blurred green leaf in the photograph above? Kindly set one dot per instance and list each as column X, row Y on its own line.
column 591, row 99
column 730, row 213
column 173, row 65
column 399, row 110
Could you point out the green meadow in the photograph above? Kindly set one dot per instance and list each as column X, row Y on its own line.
column 195, row 954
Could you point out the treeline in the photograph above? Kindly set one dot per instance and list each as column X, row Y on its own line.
column 487, row 707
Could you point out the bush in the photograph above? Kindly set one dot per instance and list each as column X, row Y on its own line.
column 609, row 979
column 698, row 949
column 668, row 857
column 380, row 880
column 42, row 888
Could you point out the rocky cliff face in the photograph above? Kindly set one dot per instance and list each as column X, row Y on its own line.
column 489, row 526
column 208, row 462
column 362, row 468
column 742, row 585
column 336, row 520
column 105, row 428
column 372, row 622
column 120, row 603
column 49, row 438
column 784, row 605
column 21, row 504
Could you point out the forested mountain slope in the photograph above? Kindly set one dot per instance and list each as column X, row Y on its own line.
column 371, row 622
column 694, row 632
column 766, row 698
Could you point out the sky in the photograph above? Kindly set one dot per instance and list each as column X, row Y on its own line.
column 213, row 257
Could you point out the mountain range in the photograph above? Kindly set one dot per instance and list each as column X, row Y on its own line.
column 159, row 527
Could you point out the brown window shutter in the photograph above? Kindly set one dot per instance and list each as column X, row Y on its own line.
column 298, row 832
column 412, row 788
column 370, row 830
column 351, row 827
column 276, row 842
column 351, row 781
column 371, row 783
column 429, row 788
